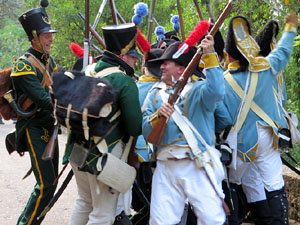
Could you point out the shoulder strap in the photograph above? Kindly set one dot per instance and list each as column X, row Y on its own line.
column 249, row 103
column 44, row 69
column 248, row 100
column 107, row 71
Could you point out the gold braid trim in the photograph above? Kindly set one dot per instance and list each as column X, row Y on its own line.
column 129, row 45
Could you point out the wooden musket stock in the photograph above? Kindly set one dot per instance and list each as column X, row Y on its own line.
column 199, row 10
column 150, row 21
column 180, row 20
column 93, row 32
column 113, row 11
column 50, row 147
column 158, row 130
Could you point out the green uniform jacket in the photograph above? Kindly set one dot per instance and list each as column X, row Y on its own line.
column 127, row 102
column 27, row 80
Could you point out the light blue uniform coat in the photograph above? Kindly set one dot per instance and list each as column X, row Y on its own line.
column 264, row 97
column 198, row 105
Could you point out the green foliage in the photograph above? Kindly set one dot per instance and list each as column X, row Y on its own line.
column 297, row 41
column 63, row 15
column 12, row 35
column 9, row 10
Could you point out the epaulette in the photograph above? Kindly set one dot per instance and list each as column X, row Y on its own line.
column 22, row 67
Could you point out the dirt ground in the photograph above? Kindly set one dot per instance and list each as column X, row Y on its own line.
column 14, row 192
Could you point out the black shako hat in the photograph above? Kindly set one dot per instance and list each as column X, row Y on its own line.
column 183, row 59
column 35, row 21
column 266, row 38
column 121, row 39
column 153, row 67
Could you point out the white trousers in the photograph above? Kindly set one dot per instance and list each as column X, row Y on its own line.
column 95, row 203
column 253, row 185
column 267, row 170
column 174, row 182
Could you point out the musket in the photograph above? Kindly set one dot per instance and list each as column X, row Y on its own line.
column 199, row 10
column 113, row 11
column 290, row 166
column 27, row 174
column 51, row 146
column 141, row 194
column 158, row 130
column 120, row 17
column 57, row 195
column 86, row 43
column 150, row 21
column 93, row 32
column 180, row 19
column 60, row 173
column 155, row 21
column 211, row 15
column 100, row 11
column 132, row 159
column 224, row 205
column 99, row 50
column 291, row 157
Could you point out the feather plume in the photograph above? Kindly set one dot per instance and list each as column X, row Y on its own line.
column 199, row 31
column 140, row 10
column 160, row 32
column 142, row 42
column 175, row 21
column 77, row 49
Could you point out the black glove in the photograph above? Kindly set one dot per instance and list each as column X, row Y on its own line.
column 226, row 153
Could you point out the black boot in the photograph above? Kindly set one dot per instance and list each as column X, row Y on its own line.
column 261, row 213
column 278, row 204
column 237, row 203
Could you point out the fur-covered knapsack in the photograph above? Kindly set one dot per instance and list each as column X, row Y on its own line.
column 82, row 102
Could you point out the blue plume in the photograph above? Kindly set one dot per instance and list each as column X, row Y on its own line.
column 141, row 9
column 160, row 37
column 175, row 19
column 159, row 30
column 137, row 19
column 176, row 26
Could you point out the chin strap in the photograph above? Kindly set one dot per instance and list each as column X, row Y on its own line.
column 37, row 40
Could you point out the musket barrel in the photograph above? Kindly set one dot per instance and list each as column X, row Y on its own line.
column 158, row 130
column 199, row 10
column 180, row 20
column 113, row 11
column 150, row 21
column 50, row 147
column 93, row 32
column 221, row 18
